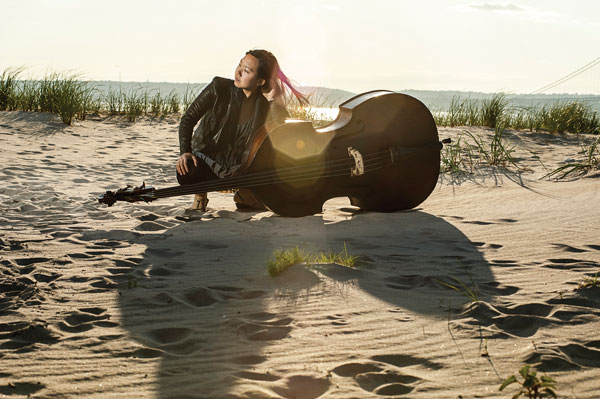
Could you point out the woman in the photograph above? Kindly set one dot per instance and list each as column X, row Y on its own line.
column 229, row 112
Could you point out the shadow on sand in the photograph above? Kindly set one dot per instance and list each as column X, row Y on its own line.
column 199, row 298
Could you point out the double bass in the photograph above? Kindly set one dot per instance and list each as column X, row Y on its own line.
column 382, row 151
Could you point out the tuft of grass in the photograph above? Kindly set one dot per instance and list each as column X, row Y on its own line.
column 8, row 88
column 493, row 110
column 471, row 293
column 114, row 102
column 285, row 258
column 134, row 104
column 591, row 161
column 497, row 153
column 456, row 157
column 340, row 258
column 531, row 386
column 173, row 105
column 560, row 117
column 64, row 94
column 188, row 97
column 589, row 282
column 573, row 117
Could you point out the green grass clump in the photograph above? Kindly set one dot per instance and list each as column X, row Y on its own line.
column 531, row 386
column 8, row 88
column 493, row 110
column 497, row 152
column 590, row 282
column 573, row 117
column 134, row 104
column 471, row 293
column 283, row 259
column 590, row 162
column 70, row 98
column 188, row 97
column 456, row 157
column 560, row 117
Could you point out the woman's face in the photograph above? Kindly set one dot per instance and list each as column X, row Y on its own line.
column 246, row 74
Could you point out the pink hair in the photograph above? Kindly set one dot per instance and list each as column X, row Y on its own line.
column 268, row 68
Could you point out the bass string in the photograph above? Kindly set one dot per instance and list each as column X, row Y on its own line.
column 239, row 180
column 193, row 190
column 245, row 181
column 280, row 174
column 287, row 174
column 215, row 185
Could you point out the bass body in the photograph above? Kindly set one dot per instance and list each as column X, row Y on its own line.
column 382, row 152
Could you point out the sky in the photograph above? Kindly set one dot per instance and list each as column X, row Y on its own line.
column 517, row 46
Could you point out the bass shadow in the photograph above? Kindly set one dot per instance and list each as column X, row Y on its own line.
column 201, row 301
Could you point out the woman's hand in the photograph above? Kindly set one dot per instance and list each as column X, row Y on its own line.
column 271, row 91
column 183, row 161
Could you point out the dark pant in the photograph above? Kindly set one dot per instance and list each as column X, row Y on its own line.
column 244, row 199
column 196, row 174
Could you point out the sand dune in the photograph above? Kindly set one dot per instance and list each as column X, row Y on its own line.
column 153, row 300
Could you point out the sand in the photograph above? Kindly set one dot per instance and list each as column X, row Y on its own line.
column 156, row 301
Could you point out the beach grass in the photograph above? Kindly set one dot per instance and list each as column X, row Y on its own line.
column 457, row 157
column 66, row 95
column 134, row 103
column 559, row 117
column 591, row 161
column 8, row 88
column 471, row 293
column 282, row 259
column 590, row 282
column 531, row 386
column 493, row 110
column 497, row 152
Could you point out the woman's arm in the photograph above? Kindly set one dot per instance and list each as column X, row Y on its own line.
column 277, row 111
column 193, row 114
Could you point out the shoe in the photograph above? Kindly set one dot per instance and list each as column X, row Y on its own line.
column 246, row 201
column 200, row 202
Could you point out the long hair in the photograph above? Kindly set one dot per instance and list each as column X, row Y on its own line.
column 269, row 70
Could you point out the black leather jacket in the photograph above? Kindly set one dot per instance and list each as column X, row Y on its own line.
column 217, row 108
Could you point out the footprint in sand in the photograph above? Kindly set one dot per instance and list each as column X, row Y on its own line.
column 572, row 356
column 150, row 226
column 22, row 389
column 571, row 264
column 30, row 261
column 337, row 320
column 263, row 326
column 20, row 335
column 253, row 376
column 526, row 319
column 85, row 319
column 174, row 340
column 478, row 222
column 568, row 248
column 382, row 375
column 302, row 387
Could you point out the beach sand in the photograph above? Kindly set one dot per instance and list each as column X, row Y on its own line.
column 156, row 301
